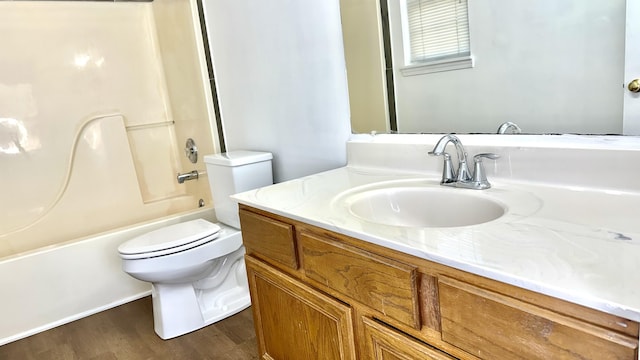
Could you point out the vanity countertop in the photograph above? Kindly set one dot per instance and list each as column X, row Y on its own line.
column 577, row 244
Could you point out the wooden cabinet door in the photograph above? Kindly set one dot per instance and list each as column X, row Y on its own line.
column 294, row 321
column 384, row 343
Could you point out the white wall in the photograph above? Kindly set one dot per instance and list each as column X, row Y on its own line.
column 549, row 65
column 281, row 81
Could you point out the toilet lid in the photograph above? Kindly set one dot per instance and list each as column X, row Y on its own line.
column 172, row 238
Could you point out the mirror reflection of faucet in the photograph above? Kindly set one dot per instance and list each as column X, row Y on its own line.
column 504, row 127
column 191, row 175
column 462, row 178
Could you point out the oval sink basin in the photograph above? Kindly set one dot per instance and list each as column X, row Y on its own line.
column 423, row 207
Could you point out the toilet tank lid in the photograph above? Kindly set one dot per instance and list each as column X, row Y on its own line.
column 237, row 158
column 169, row 237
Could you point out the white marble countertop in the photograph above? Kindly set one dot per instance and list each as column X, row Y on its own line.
column 573, row 243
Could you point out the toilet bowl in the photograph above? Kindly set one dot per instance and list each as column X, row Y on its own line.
column 196, row 268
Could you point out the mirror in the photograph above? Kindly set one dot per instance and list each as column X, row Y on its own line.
column 550, row 66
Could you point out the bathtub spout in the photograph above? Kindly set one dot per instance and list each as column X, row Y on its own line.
column 192, row 175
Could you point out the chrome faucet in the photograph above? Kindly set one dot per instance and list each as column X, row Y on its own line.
column 191, row 175
column 462, row 177
column 448, row 174
column 504, row 127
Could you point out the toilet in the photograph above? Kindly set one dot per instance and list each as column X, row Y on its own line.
column 196, row 268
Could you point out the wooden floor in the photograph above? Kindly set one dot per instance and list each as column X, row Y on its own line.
column 126, row 332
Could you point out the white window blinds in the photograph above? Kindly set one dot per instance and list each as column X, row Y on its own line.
column 437, row 29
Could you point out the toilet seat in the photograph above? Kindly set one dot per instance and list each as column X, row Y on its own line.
column 169, row 240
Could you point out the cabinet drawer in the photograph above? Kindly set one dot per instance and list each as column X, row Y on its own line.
column 385, row 343
column 268, row 239
column 493, row 326
column 385, row 285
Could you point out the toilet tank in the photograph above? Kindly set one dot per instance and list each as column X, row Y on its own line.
column 233, row 172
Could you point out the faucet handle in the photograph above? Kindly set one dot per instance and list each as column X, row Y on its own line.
column 478, row 157
column 479, row 175
column 448, row 173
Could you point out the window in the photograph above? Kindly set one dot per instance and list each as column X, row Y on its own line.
column 436, row 35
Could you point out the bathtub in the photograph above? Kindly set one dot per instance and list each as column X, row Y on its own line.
column 48, row 287
column 89, row 153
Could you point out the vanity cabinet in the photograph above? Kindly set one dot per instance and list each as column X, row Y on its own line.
column 321, row 295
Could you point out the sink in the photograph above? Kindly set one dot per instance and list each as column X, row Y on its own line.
column 422, row 206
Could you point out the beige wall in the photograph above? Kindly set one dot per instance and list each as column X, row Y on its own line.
column 365, row 67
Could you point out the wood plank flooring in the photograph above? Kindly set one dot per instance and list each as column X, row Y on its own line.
column 126, row 332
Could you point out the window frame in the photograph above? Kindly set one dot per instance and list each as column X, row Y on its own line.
column 438, row 63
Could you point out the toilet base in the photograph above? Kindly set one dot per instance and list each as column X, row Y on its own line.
column 182, row 308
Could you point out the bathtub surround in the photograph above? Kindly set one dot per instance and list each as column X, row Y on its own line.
column 89, row 63
column 96, row 110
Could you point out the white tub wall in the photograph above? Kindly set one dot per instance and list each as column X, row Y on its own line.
column 60, row 284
